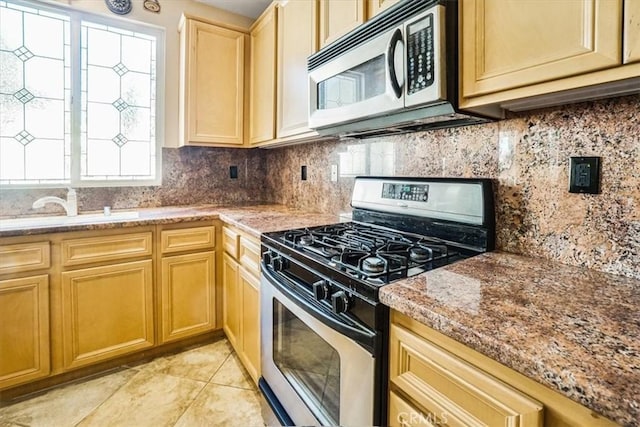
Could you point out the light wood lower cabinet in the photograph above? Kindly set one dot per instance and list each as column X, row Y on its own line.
column 107, row 311
column 241, row 299
column 435, row 381
column 187, row 280
column 187, row 295
column 231, row 300
column 24, row 330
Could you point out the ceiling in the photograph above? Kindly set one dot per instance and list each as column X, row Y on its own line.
column 248, row 8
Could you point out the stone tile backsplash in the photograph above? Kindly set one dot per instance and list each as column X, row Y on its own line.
column 527, row 156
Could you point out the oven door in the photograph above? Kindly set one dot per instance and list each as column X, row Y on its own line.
column 363, row 82
column 318, row 375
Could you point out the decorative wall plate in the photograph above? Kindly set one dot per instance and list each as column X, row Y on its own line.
column 120, row 7
column 152, row 5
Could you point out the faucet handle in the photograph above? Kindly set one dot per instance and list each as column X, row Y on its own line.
column 71, row 191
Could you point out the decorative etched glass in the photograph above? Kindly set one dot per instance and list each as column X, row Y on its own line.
column 118, row 121
column 34, row 96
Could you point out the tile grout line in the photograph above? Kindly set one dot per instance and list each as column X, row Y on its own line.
column 207, row 382
column 108, row 397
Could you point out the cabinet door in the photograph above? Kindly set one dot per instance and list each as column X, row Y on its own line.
column 187, row 295
column 24, row 330
column 231, row 301
column 338, row 17
column 631, row 31
column 213, row 84
column 515, row 43
column 376, row 6
column 297, row 39
column 262, row 97
column 106, row 312
column 403, row 414
column 443, row 384
column 250, row 323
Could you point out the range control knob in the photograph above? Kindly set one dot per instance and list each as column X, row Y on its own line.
column 278, row 263
column 321, row 289
column 340, row 302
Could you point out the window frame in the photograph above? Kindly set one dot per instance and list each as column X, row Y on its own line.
column 76, row 17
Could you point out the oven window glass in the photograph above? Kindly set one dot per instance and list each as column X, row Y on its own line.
column 354, row 85
column 309, row 364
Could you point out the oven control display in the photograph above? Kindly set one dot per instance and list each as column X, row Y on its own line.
column 414, row 192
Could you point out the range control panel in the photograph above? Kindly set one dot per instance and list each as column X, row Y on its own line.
column 414, row 192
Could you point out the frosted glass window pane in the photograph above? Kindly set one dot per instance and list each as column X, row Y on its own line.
column 103, row 121
column 103, row 158
column 132, row 154
column 11, row 117
column 10, row 73
column 11, row 29
column 136, row 89
column 136, row 54
column 104, row 47
column 45, row 118
column 135, row 123
column 11, row 159
column 103, row 84
column 44, row 36
column 45, row 159
column 45, row 77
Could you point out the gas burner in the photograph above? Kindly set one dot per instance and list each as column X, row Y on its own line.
column 420, row 254
column 306, row 240
column 373, row 265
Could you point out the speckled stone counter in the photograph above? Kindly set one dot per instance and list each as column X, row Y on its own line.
column 254, row 219
column 574, row 330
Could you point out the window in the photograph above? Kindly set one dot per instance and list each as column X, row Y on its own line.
column 79, row 100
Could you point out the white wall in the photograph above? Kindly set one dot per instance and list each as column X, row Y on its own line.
column 168, row 18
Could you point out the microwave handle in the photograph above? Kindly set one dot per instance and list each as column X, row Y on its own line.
column 396, row 40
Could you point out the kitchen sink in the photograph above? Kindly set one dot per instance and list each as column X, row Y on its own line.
column 42, row 221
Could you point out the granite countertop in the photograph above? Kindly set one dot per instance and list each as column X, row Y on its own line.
column 254, row 219
column 574, row 330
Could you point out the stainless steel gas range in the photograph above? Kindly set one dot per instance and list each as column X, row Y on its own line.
column 324, row 332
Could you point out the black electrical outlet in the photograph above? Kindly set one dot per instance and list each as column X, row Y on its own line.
column 303, row 173
column 233, row 172
column 584, row 175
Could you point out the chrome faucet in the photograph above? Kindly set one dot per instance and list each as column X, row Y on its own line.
column 70, row 205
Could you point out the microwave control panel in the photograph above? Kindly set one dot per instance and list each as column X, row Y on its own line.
column 420, row 54
column 414, row 192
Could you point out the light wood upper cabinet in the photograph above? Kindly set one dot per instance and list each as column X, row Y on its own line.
column 513, row 43
column 24, row 330
column 376, row 6
column 297, row 39
column 338, row 17
column 262, row 95
column 106, row 312
column 211, row 84
column 631, row 31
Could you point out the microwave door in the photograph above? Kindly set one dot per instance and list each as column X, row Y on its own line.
column 426, row 58
column 357, row 84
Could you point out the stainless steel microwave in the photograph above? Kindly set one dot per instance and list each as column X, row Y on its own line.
column 395, row 73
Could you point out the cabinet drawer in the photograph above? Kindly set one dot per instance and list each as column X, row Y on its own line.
column 187, row 239
column 231, row 241
column 24, row 257
column 109, row 248
column 442, row 383
column 403, row 414
column 250, row 255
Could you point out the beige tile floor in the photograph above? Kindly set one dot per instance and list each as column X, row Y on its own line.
column 204, row 386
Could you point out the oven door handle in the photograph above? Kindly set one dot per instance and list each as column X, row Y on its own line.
column 362, row 336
